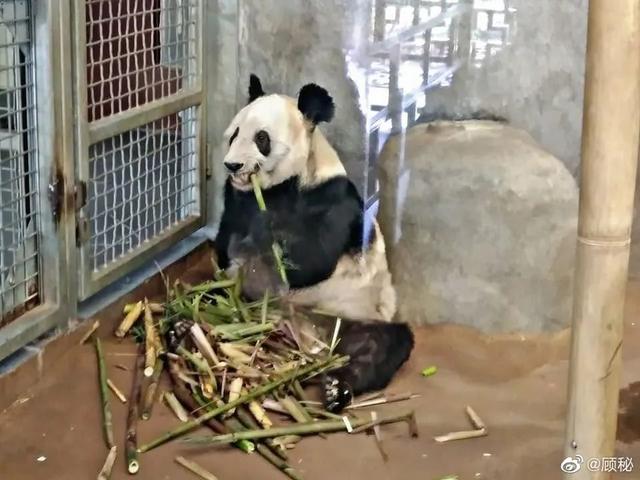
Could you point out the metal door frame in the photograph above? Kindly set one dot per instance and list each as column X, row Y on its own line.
column 89, row 133
column 54, row 167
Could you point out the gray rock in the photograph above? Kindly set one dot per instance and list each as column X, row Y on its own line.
column 480, row 225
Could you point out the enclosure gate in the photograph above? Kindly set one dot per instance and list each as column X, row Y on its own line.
column 101, row 152
column 140, row 132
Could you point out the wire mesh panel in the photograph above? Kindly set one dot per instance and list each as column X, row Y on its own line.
column 140, row 130
column 19, row 189
column 142, row 183
column 138, row 51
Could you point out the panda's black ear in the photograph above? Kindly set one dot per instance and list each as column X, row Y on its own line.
column 255, row 88
column 316, row 104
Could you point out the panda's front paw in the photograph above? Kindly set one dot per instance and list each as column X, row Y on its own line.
column 337, row 393
column 176, row 333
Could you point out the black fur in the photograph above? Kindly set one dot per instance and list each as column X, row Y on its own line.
column 255, row 88
column 263, row 142
column 314, row 227
column 315, row 103
column 376, row 350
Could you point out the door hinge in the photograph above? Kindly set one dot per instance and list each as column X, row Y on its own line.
column 80, row 194
column 55, row 192
column 207, row 161
column 80, row 200
column 82, row 230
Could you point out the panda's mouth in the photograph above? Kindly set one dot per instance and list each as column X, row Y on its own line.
column 241, row 179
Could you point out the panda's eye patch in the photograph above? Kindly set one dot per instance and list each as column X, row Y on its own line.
column 235, row 134
column 263, row 142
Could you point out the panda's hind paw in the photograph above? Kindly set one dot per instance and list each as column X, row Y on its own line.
column 337, row 394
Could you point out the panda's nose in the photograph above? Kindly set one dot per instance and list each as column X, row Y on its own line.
column 233, row 167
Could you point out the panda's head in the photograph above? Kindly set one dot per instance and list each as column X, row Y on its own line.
column 274, row 135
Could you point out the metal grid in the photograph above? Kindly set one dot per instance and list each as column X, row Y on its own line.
column 141, row 183
column 19, row 208
column 138, row 51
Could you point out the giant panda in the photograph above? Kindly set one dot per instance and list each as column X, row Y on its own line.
column 316, row 215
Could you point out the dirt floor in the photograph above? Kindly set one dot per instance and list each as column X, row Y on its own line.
column 515, row 383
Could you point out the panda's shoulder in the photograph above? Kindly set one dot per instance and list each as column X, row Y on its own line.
column 333, row 191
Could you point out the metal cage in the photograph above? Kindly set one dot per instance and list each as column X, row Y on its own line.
column 32, row 232
column 140, row 105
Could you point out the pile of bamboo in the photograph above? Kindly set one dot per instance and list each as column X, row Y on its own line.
column 234, row 367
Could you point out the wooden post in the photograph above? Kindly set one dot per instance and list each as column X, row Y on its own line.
column 609, row 162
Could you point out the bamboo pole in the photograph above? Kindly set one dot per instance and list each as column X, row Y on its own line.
column 609, row 162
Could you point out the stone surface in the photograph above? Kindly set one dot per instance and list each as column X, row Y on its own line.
column 535, row 80
column 480, row 226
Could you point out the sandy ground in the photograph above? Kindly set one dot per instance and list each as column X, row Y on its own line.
column 516, row 383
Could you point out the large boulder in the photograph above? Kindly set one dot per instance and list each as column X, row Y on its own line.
column 480, row 223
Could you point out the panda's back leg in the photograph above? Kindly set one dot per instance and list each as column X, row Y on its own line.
column 376, row 350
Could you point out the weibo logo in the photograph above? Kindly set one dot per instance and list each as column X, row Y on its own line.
column 572, row 464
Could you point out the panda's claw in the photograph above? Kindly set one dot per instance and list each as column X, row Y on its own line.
column 337, row 394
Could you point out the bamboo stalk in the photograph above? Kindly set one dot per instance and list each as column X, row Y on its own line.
column 105, row 471
column 383, row 400
column 235, row 388
column 150, row 394
column 270, row 453
column 296, row 429
column 250, row 423
column 151, row 351
column 475, row 419
column 608, row 171
column 193, row 467
column 277, row 462
column 131, row 438
column 277, row 251
column 116, row 391
column 176, row 407
column 129, row 320
column 463, row 435
column 156, row 308
column 90, row 332
column 253, row 394
column 259, row 414
column 297, row 411
column 203, row 345
column 104, row 395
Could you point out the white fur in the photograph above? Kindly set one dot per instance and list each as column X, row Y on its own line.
column 360, row 288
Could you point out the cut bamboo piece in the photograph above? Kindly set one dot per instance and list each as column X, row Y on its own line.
column 104, row 395
column 151, row 351
column 105, row 471
column 259, row 414
column 176, row 407
column 150, row 392
column 383, row 400
column 131, row 437
column 253, row 394
column 475, row 419
column 129, row 320
column 90, row 332
column 201, row 341
column 116, row 391
column 235, row 388
column 156, row 308
column 463, row 435
column 296, row 429
column 608, row 171
column 196, row 469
